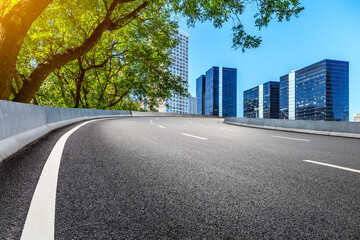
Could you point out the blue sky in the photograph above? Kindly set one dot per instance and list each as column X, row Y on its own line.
column 325, row 29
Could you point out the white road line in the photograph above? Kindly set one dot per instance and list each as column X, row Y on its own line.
column 227, row 129
column 161, row 126
column 151, row 122
column 296, row 139
column 40, row 220
column 189, row 135
column 334, row 166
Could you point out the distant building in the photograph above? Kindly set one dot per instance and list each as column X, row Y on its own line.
column 357, row 117
column 262, row 101
column 192, row 105
column 200, row 95
column 179, row 104
column 251, row 102
column 220, row 92
column 316, row 92
column 161, row 105
column 179, row 67
column 284, row 97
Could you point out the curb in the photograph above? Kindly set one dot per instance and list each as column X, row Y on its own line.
column 323, row 133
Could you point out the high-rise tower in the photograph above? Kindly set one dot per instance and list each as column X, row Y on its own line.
column 220, row 92
column 179, row 104
column 316, row 92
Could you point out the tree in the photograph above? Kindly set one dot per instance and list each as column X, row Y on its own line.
column 14, row 24
column 132, row 64
column 110, row 16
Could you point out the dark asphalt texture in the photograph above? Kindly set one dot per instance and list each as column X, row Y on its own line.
column 129, row 179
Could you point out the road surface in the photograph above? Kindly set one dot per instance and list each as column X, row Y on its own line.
column 181, row 178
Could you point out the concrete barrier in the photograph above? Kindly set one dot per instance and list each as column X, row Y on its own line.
column 21, row 124
column 341, row 129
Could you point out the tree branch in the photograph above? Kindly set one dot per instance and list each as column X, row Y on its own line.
column 43, row 69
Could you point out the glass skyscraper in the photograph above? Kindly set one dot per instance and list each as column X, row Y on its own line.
column 251, row 102
column 284, row 97
column 270, row 100
column 200, row 95
column 179, row 104
column 220, row 92
column 262, row 101
column 316, row 92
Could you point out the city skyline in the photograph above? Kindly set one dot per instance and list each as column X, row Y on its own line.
column 319, row 91
column 325, row 30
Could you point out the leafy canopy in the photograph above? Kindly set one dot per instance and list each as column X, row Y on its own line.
column 128, row 60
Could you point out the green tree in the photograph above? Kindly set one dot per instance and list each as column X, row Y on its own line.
column 103, row 18
column 108, row 74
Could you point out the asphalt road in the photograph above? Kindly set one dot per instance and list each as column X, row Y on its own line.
column 187, row 178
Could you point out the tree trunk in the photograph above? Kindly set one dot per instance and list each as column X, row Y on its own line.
column 79, row 84
column 37, row 77
column 13, row 28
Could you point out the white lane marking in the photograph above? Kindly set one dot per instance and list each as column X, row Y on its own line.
column 227, row 129
column 161, row 126
column 151, row 122
column 296, row 139
column 40, row 220
column 334, row 166
column 189, row 135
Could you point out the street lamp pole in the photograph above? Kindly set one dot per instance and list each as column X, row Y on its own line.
column 256, row 111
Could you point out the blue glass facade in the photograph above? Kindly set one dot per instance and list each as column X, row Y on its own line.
column 229, row 92
column 212, row 91
column 271, row 100
column 284, row 97
column 321, row 92
column 251, row 102
column 262, row 101
column 200, row 95
column 337, row 91
column 220, row 92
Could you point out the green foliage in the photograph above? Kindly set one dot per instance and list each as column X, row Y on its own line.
column 130, row 62
column 219, row 11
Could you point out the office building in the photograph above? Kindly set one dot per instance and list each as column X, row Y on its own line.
column 357, row 117
column 179, row 104
column 316, row 92
column 251, row 102
column 192, row 105
column 220, row 92
column 200, row 95
column 262, row 101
